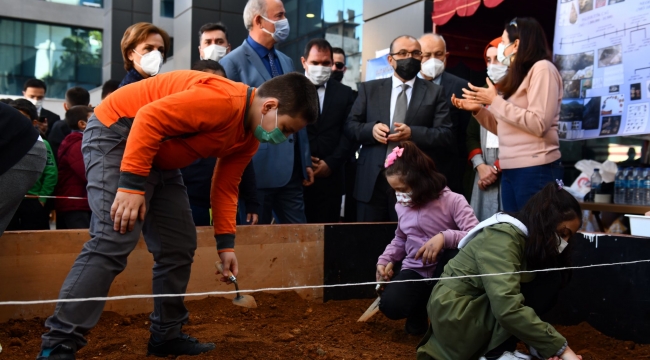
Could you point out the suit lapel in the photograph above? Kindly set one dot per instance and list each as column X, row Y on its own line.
column 417, row 96
column 447, row 87
column 384, row 100
column 255, row 60
column 286, row 66
column 330, row 93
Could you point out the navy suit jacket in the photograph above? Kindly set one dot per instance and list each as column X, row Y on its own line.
column 273, row 163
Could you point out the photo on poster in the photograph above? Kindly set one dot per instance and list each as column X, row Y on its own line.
column 612, row 105
column 610, row 125
column 571, row 110
column 635, row 91
column 564, row 130
column 567, row 13
column 575, row 66
column 585, row 84
column 600, row 3
column 572, row 89
column 611, row 55
column 647, row 86
column 586, row 5
column 591, row 113
column 577, row 125
column 637, row 118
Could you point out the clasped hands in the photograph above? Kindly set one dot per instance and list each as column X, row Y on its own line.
column 381, row 133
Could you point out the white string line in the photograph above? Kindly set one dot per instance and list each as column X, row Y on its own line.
column 303, row 287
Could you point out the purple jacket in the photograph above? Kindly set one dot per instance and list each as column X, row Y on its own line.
column 450, row 215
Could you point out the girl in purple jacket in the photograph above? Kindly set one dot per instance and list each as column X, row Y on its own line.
column 430, row 218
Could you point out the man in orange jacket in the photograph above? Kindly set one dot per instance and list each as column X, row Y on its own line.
column 133, row 147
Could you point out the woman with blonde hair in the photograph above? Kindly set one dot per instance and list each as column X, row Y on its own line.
column 144, row 50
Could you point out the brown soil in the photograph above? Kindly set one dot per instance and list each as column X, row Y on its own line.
column 284, row 326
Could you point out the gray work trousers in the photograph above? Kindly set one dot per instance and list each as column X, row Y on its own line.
column 168, row 230
column 16, row 181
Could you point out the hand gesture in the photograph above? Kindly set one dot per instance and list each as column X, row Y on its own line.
column 321, row 169
column 229, row 261
column 252, row 218
column 464, row 104
column 384, row 272
column 126, row 209
column 487, row 176
column 481, row 95
column 430, row 250
column 310, row 177
column 380, row 132
column 402, row 133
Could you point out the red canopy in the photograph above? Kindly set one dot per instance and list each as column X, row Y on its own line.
column 444, row 10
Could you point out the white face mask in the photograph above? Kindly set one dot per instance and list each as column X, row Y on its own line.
column 38, row 103
column 281, row 32
column 318, row 74
column 404, row 199
column 561, row 243
column 432, row 68
column 214, row 52
column 496, row 72
column 150, row 62
column 501, row 54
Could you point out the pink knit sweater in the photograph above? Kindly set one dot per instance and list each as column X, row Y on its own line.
column 527, row 122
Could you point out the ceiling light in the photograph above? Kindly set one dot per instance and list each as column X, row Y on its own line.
column 310, row 15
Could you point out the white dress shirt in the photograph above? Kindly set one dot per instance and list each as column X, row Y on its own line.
column 396, row 89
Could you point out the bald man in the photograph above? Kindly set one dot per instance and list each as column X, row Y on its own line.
column 434, row 61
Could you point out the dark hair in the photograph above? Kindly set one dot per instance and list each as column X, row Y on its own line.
column 296, row 94
column 400, row 37
column 214, row 26
column 76, row 113
column 34, row 83
column 542, row 214
column 137, row 34
column 532, row 48
column 320, row 44
column 419, row 172
column 77, row 96
column 338, row 50
column 6, row 100
column 203, row 65
column 26, row 106
column 109, row 86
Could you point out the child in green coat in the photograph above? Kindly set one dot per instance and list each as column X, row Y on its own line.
column 484, row 317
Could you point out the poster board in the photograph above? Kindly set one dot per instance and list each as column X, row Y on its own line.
column 378, row 68
column 602, row 50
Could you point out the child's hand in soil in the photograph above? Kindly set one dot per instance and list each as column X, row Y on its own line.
column 430, row 250
column 382, row 274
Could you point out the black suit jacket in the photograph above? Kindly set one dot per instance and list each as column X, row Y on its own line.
column 326, row 137
column 427, row 116
column 51, row 117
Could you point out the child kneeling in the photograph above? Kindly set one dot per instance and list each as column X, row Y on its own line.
column 430, row 218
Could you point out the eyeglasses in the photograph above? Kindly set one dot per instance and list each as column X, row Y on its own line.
column 513, row 23
column 339, row 65
column 403, row 53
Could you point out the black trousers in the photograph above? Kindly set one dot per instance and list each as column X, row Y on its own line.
column 406, row 300
column 74, row 219
column 541, row 294
column 350, row 202
column 323, row 199
column 31, row 215
column 381, row 207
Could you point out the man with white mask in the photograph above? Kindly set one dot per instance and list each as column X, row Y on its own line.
column 434, row 60
column 34, row 91
column 329, row 146
column 214, row 44
column 281, row 170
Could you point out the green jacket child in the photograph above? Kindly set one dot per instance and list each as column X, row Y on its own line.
column 47, row 182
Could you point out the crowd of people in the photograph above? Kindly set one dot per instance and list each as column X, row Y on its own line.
column 469, row 174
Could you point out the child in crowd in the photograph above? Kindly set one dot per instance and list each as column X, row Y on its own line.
column 73, row 213
column 32, row 213
column 430, row 217
column 23, row 105
column 76, row 96
column 486, row 316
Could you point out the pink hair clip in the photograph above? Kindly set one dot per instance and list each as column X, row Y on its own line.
column 560, row 184
column 390, row 159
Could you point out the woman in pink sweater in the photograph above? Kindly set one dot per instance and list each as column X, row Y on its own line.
column 525, row 117
column 430, row 218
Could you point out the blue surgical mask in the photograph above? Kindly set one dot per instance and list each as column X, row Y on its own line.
column 281, row 32
column 273, row 137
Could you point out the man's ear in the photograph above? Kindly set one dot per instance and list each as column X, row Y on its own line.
column 65, row 106
column 269, row 105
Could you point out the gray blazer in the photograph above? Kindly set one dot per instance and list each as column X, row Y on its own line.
column 273, row 163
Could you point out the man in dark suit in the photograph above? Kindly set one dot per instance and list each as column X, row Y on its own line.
column 434, row 60
column 34, row 90
column 387, row 111
column 330, row 148
column 281, row 170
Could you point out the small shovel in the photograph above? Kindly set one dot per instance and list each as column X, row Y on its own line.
column 246, row 301
column 374, row 308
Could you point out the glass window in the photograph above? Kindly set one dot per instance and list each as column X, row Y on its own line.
column 167, row 8
column 338, row 21
column 89, row 3
column 61, row 56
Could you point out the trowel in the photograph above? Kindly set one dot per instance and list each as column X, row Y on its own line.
column 374, row 308
column 246, row 301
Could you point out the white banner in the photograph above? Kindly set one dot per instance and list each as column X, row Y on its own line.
column 602, row 49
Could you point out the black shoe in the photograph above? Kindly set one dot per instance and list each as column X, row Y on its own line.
column 182, row 345
column 416, row 326
column 60, row 352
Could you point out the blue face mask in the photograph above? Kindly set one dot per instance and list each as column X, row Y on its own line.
column 273, row 137
column 281, row 32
